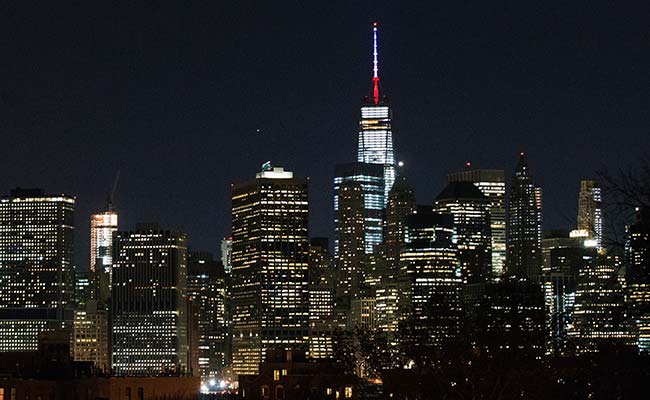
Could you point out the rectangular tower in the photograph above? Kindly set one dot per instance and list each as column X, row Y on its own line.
column 149, row 302
column 270, row 257
column 431, row 283
column 90, row 335
column 206, row 289
column 102, row 226
column 36, row 272
column 524, row 224
column 469, row 208
column 590, row 213
column 370, row 177
column 491, row 183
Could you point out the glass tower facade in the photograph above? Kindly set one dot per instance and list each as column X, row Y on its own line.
column 376, row 141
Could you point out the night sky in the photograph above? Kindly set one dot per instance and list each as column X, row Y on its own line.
column 186, row 99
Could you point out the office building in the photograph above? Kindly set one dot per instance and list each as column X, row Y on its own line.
column 102, row 227
column 430, row 279
column 590, row 213
column 90, row 340
column 370, row 178
column 323, row 281
column 270, row 257
column 524, row 227
column 36, row 271
column 206, row 290
column 470, row 209
column 401, row 203
column 363, row 313
column 82, row 288
column 563, row 254
column 492, row 184
column 599, row 312
column 638, row 277
column 375, row 128
column 350, row 234
column 507, row 318
column 563, row 257
column 149, row 302
column 226, row 254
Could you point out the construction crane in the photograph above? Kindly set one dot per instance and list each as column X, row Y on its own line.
column 109, row 201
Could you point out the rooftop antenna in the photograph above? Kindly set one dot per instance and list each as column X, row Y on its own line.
column 375, row 65
column 109, row 201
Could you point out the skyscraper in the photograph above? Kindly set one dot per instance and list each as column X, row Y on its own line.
column 524, row 228
column 430, row 278
column 491, row 183
column 470, row 209
column 563, row 258
column 36, row 272
column 322, row 289
column 102, row 226
column 270, row 254
column 371, row 179
column 638, row 277
column 599, row 312
column 350, row 233
column 206, row 289
column 401, row 203
column 149, row 302
column 375, row 128
column 590, row 213
column 226, row 254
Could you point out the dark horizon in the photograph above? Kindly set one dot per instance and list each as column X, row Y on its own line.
column 186, row 100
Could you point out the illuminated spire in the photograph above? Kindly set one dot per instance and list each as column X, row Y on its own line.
column 375, row 65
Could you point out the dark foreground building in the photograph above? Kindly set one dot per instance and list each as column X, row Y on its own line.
column 50, row 373
column 289, row 375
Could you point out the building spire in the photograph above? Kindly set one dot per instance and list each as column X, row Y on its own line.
column 375, row 65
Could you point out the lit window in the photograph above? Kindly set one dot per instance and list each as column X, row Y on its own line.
column 276, row 374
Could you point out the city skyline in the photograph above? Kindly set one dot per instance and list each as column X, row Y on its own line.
column 480, row 226
column 165, row 97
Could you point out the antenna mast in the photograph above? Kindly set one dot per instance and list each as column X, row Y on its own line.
column 375, row 65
